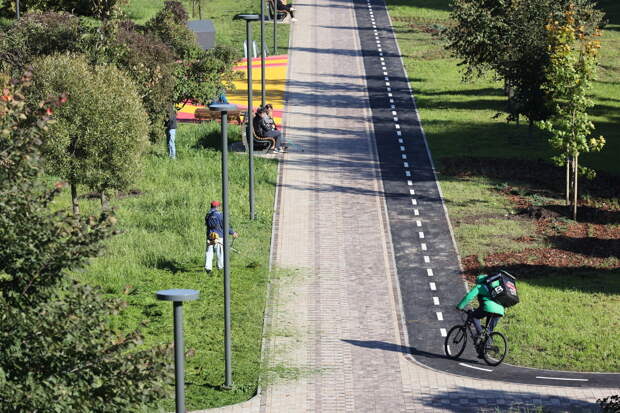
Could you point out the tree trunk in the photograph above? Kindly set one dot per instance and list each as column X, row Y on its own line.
column 74, row 200
column 105, row 204
column 568, row 166
column 575, row 186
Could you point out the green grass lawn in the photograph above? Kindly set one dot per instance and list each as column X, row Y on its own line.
column 568, row 318
column 162, row 246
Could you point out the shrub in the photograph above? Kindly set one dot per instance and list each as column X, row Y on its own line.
column 38, row 34
column 101, row 9
column 98, row 136
column 150, row 63
column 170, row 25
column 58, row 352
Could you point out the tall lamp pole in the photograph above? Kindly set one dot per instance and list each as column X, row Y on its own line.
column 224, row 108
column 249, row 18
column 262, row 53
column 17, row 9
column 275, row 25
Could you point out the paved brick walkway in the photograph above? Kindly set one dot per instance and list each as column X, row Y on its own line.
column 335, row 332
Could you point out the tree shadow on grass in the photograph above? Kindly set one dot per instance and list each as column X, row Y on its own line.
column 586, row 279
column 476, row 399
column 170, row 265
column 537, row 174
column 590, row 246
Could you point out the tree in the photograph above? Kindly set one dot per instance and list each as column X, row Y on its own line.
column 38, row 34
column 99, row 135
column 101, row 9
column 58, row 352
column 150, row 63
column 489, row 36
column 205, row 76
column 573, row 52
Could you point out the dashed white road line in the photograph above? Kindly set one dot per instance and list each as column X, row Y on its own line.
column 436, row 300
column 559, row 378
column 443, row 332
column 416, row 212
column 407, row 173
column 410, row 183
column 421, row 235
column 423, row 246
column 427, row 259
column 433, row 286
column 439, row 316
column 414, row 202
column 411, row 191
column 429, row 271
column 474, row 367
column 402, row 148
column 418, row 223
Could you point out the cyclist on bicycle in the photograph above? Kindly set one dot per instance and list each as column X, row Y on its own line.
column 488, row 308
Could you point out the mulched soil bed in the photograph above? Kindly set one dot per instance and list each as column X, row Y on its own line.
column 591, row 243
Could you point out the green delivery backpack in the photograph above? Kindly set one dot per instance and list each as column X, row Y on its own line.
column 505, row 293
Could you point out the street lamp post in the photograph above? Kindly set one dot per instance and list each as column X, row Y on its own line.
column 178, row 297
column 249, row 18
column 224, row 108
column 17, row 9
column 262, row 53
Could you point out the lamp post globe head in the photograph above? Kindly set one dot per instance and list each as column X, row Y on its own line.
column 247, row 17
column 222, row 107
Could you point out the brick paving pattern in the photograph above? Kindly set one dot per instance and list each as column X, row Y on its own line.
column 335, row 328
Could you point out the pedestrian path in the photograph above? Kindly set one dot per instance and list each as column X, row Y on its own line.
column 336, row 328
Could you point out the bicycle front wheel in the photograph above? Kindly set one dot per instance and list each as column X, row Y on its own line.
column 495, row 348
column 455, row 341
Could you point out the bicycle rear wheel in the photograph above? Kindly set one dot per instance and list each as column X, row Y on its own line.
column 455, row 341
column 495, row 348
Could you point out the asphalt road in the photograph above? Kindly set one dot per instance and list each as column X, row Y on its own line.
column 425, row 254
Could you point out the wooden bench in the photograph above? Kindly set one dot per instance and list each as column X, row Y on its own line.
column 202, row 114
column 282, row 14
column 266, row 143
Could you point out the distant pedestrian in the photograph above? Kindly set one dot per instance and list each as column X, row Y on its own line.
column 214, row 221
column 171, row 132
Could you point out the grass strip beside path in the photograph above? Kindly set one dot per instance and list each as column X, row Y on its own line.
column 505, row 200
column 162, row 246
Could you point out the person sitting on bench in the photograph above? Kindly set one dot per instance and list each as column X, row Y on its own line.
column 282, row 6
column 264, row 127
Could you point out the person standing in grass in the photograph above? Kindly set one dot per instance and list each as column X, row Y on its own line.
column 171, row 132
column 214, row 221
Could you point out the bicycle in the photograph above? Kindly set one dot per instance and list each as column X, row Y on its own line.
column 492, row 346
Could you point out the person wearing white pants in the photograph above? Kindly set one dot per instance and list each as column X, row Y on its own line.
column 219, row 253
column 214, row 221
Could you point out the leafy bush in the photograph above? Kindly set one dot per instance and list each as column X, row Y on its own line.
column 58, row 352
column 150, row 63
column 170, row 25
column 99, row 135
column 202, row 79
column 488, row 36
column 101, row 9
column 38, row 34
